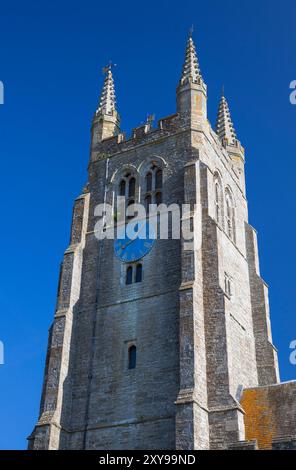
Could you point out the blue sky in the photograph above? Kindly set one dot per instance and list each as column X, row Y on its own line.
column 50, row 64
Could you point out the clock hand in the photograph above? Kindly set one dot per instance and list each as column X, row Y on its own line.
column 132, row 239
column 128, row 243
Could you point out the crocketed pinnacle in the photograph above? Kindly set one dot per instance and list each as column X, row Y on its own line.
column 224, row 125
column 107, row 101
column 191, row 71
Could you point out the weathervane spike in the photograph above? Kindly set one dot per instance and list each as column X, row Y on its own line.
column 108, row 67
column 191, row 29
column 150, row 118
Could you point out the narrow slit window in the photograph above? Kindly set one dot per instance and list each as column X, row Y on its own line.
column 129, row 211
column 139, row 273
column 149, row 182
column 129, row 275
column 147, row 203
column 132, row 357
column 158, row 198
column 228, row 285
column 158, row 179
column 132, row 187
column 217, row 202
column 230, row 223
column 122, row 188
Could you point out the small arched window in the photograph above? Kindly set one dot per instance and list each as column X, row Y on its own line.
column 132, row 357
column 139, row 272
column 129, row 275
column 228, row 285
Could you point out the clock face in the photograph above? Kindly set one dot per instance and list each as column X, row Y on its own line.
column 132, row 246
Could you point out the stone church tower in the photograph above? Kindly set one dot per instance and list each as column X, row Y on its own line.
column 172, row 351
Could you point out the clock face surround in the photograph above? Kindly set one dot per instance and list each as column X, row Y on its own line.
column 135, row 244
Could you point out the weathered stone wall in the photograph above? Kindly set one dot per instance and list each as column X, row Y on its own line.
column 198, row 346
column 230, row 346
column 113, row 407
column 56, row 396
column 266, row 354
column 192, row 429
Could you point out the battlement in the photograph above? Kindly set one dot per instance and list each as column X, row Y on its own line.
column 140, row 135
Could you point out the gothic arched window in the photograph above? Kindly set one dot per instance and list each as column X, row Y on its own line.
column 218, row 198
column 139, row 272
column 132, row 357
column 153, row 180
column 217, row 201
column 230, row 220
column 127, row 189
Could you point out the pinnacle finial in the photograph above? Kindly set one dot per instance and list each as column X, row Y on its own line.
column 107, row 101
column 224, row 125
column 191, row 70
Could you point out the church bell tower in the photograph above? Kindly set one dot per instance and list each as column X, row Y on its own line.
column 153, row 345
